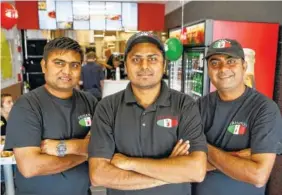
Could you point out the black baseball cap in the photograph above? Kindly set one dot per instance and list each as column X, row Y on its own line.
column 143, row 37
column 228, row 47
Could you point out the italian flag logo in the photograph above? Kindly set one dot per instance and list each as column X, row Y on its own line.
column 85, row 122
column 167, row 122
column 222, row 44
column 237, row 129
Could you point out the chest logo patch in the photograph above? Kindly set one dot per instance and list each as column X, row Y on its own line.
column 167, row 122
column 85, row 120
column 237, row 128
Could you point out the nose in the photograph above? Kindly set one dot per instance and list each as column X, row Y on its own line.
column 223, row 67
column 66, row 69
column 144, row 64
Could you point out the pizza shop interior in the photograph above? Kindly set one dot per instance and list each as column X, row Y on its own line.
column 115, row 97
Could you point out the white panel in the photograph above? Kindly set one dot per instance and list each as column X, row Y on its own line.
column 47, row 14
column 81, row 15
column 130, row 16
column 97, row 15
column 113, row 16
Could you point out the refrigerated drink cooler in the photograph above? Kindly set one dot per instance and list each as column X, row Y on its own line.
column 190, row 74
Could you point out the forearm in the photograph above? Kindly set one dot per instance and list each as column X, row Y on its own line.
column 235, row 167
column 110, row 176
column 78, row 146
column 43, row 164
column 172, row 170
column 210, row 167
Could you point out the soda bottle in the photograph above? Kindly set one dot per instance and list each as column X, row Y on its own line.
column 200, row 83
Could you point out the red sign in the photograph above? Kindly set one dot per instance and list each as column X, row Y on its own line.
column 9, row 15
column 175, row 33
column 259, row 41
column 195, row 35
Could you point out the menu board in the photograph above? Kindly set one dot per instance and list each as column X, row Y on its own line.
column 97, row 15
column 113, row 16
column 195, row 35
column 47, row 14
column 64, row 14
column 85, row 15
column 175, row 33
column 130, row 16
column 81, row 16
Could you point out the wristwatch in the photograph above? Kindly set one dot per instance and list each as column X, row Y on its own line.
column 61, row 148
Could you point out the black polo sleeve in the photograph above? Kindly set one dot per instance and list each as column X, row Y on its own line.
column 24, row 125
column 102, row 143
column 190, row 128
column 266, row 130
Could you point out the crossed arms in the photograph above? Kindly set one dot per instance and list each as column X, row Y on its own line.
column 126, row 173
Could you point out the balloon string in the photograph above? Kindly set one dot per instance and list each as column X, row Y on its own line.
column 182, row 14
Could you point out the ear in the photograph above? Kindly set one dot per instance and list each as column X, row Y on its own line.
column 245, row 65
column 165, row 64
column 125, row 68
column 43, row 65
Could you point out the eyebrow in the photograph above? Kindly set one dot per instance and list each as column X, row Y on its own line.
column 149, row 55
column 228, row 57
column 212, row 58
column 58, row 59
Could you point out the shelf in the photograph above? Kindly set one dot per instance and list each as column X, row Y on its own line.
column 196, row 93
column 199, row 71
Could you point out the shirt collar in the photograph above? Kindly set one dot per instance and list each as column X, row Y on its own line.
column 163, row 99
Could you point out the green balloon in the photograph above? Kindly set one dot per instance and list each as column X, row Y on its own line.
column 173, row 49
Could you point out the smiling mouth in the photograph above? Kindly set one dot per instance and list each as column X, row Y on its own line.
column 225, row 77
column 145, row 75
column 65, row 79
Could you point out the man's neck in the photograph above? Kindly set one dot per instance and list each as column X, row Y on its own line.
column 59, row 94
column 91, row 61
column 232, row 95
column 146, row 97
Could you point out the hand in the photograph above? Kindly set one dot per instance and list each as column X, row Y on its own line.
column 180, row 149
column 121, row 161
column 210, row 167
column 49, row 146
column 246, row 153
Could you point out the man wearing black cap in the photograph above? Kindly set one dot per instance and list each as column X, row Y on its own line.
column 241, row 125
column 140, row 136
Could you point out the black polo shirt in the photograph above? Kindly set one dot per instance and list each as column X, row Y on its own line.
column 121, row 125
column 251, row 121
column 37, row 116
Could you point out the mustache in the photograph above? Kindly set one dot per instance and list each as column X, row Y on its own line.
column 146, row 72
column 222, row 75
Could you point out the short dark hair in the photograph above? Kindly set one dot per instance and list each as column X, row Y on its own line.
column 62, row 43
column 91, row 55
column 3, row 95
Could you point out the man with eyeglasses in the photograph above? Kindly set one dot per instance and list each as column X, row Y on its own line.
column 241, row 125
column 147, row 139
